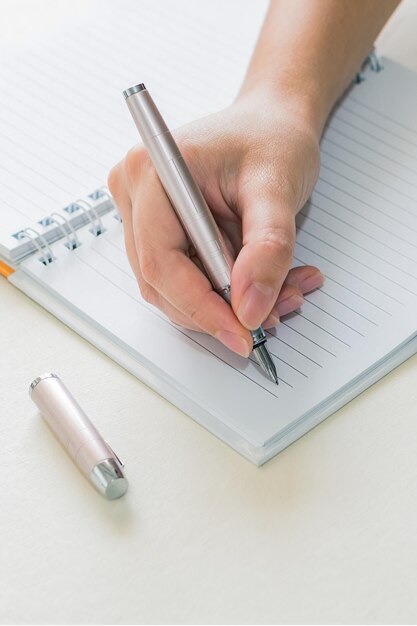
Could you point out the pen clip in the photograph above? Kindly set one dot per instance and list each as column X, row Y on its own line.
column 118, row 459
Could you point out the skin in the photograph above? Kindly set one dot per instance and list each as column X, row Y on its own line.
column 256, row 162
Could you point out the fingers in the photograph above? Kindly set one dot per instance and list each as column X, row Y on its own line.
column 299, row 281
column 118, row 187
column 117, row 183
column 168, row 278
column 159, row 254
column 264, row 260
column 165, row 266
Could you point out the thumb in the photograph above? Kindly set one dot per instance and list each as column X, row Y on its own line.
column 268, row 235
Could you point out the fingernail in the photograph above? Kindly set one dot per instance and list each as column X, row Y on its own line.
column 312, row 282
column 234, row 342
column 271, row 321
column 287, row 305
column 255, row 305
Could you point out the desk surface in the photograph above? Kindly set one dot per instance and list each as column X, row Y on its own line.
column 324, row 533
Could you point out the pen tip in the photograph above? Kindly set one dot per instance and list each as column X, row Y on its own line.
column 273, row 374
column 265, row 361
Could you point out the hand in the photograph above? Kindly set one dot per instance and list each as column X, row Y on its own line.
column 256, row 163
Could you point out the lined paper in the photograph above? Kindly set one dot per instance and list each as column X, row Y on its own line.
column 359, row 227
column 64, row 122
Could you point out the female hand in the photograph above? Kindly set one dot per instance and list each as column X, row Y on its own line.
column 256, row 163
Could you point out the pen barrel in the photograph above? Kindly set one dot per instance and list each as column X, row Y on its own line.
column 70, row 424
column 183, row 192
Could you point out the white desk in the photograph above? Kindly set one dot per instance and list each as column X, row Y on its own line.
column 324, row 533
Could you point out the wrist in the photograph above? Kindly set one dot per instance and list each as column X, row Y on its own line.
column 285, row 98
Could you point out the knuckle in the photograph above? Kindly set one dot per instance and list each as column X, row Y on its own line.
column 147, row 292
column 197, row 314
column 113, row 179
column 136, row 160
column 278, row 243
column 117, row 188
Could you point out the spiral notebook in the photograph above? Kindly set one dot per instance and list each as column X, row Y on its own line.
column 61, row 239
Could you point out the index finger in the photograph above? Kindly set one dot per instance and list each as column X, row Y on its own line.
column 162, row 250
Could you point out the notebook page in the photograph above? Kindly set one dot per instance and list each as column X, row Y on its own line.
column 358, row 228
column 63, row 121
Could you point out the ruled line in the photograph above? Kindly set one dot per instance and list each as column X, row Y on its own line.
column 121, row 269
column 32, row 169
column 371, row 177
column 333, row 129
column 286, row 363
column 350, row 225
column 350, row 273
column 79, row 123
column 379, row 126
column 16, row 209
column 79, row 79
column 154, row 312
column 333, row 316
column 53, row 79
column 368, row 134
column 18, row 193
column 273, row 334
column 268, row 332
column 328, row 277
column 131, row 35
column 304, row 317
column 255, row 362
column 354, row 182
column 384, row 115
column 349, row 256
column 308, row 339
column 366, row 219
column 58, row 153
column 372, row 163
column 348, row 307
column 344, row 303
column 195, row 97
column 357, row 245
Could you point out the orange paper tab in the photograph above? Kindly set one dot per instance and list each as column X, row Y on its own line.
column 5, row 270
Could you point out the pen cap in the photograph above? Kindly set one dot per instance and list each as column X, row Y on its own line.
column 78, row 435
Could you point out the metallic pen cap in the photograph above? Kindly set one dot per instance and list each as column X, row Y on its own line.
column 37, row 380
column 107, row 477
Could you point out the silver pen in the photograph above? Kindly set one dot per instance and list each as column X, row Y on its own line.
column 189, row 205
column 79, row 437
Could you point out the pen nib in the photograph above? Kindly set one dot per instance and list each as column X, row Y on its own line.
column 265, row 361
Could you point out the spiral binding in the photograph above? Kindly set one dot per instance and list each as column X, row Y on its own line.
column 104, row 191
column 92, row 216
column 40, row 242
column 373, row 62
column 72, row 241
